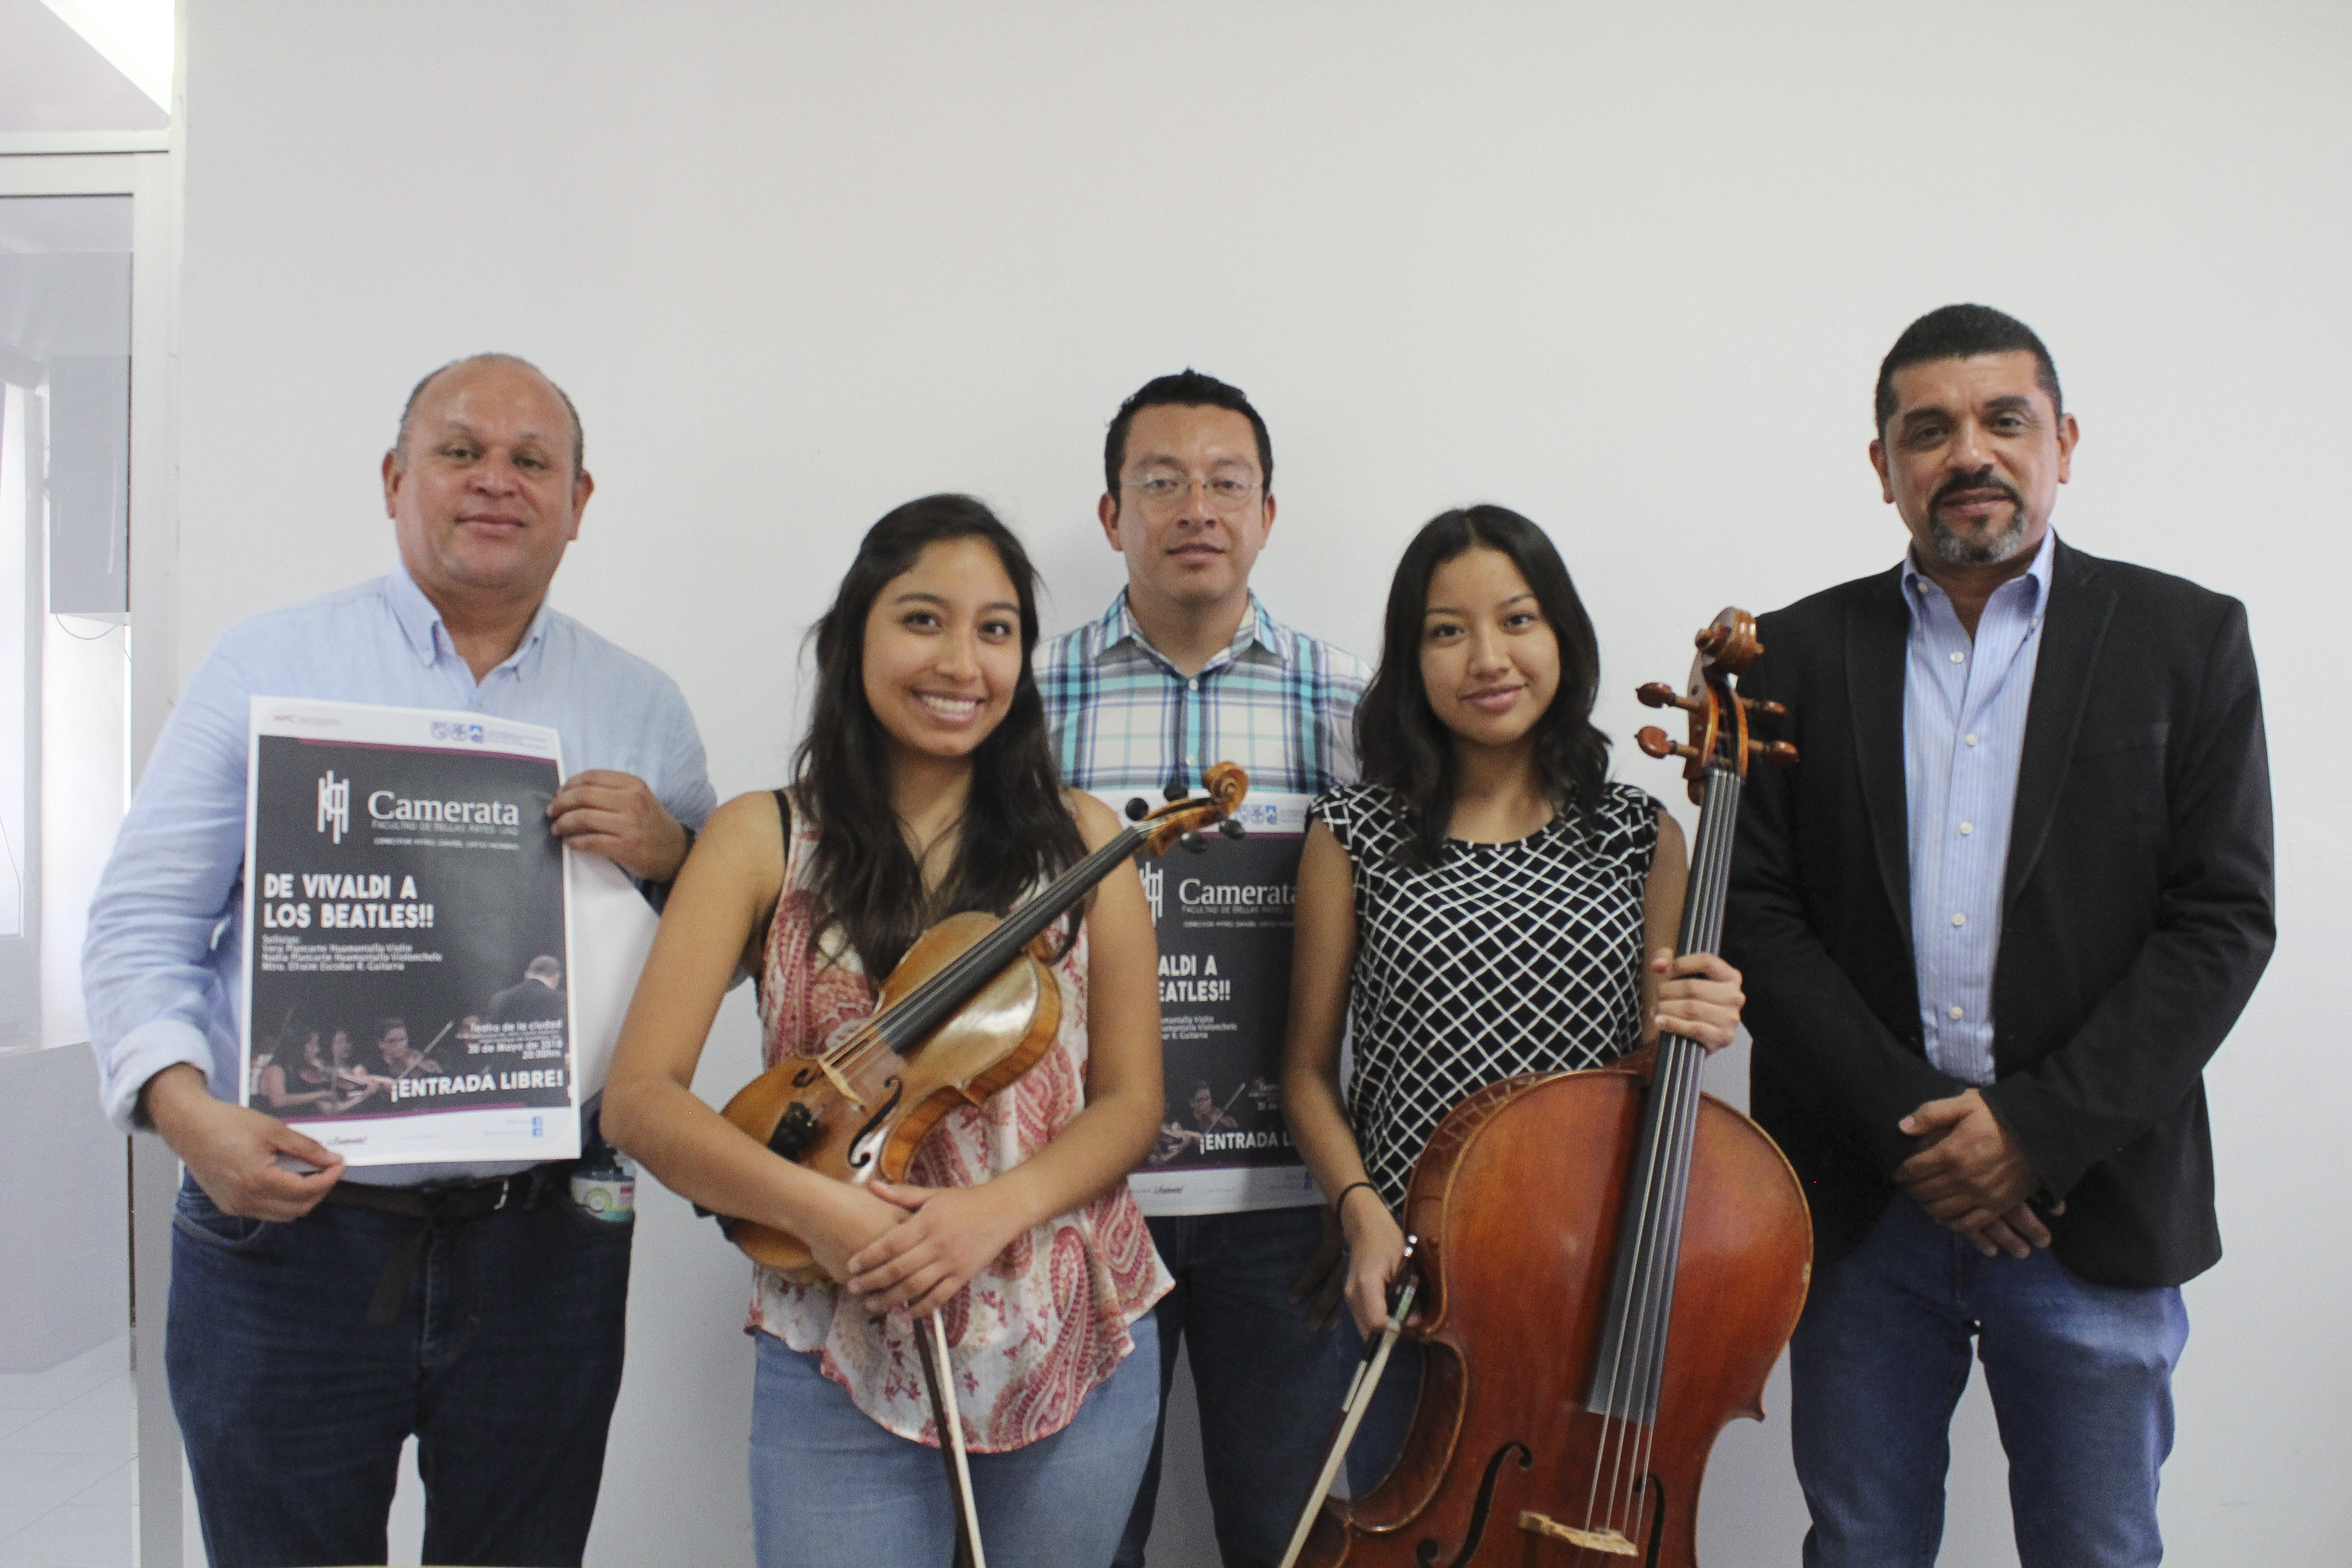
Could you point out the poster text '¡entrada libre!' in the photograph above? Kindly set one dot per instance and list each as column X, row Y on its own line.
column 477, row 1082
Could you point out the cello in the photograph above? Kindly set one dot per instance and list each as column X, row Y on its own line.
column 1579, row 1364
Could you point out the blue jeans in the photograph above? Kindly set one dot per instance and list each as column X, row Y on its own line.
column 2081, row 1377
column 1268, row 1384
column 831, row 1489
column 503, row 1361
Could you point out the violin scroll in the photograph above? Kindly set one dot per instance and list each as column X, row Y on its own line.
column 1226, row 784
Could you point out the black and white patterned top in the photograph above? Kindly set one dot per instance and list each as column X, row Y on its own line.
column 1502, row 959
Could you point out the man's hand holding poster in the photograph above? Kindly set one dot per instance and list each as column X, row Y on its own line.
column 408, row 952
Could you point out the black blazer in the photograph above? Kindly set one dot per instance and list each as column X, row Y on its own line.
column 2135, row 917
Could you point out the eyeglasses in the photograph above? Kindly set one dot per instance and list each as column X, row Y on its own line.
column 1224, row 493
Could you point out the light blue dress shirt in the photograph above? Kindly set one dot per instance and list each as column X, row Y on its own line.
column 1964, row 706
column 164, row 964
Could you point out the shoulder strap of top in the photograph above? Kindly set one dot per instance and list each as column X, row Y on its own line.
column 784, row 819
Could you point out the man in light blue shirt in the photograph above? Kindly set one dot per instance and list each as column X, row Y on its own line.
column 319, row 1316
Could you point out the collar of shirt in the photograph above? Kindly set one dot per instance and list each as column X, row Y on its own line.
column 2036, row 577
column 429, row 636
column 1259, row 634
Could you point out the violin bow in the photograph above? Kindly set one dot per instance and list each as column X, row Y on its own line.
column 931, row 1350
column 1374, row 1362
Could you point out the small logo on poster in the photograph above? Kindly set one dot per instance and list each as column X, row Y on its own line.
column 334, row 804
column 444, row 729
column 539, row 1126
column 1152, row 880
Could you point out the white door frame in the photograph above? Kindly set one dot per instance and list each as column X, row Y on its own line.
column 142, row 166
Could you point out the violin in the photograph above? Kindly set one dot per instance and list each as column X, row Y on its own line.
column 1607, row 1265
column 969, row 1009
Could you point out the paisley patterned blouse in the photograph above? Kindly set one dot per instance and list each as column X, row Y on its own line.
column 1047, row 1320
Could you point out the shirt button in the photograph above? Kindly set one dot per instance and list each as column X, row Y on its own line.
column 1959, row 918
column 1971, row 739
column 1191, row 758
column 1966, row 828
column 1953, row 1013
column 1193, row 684
column 1957, row 658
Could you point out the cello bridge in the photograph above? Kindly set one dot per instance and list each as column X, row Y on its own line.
column 1607, row 1541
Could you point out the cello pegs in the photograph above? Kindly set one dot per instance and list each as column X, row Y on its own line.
column 1193, row 842
column 1138, row 809
column 1654, row 743
column 1772, row 753
column 1658, row 694
column 1174, row 792
column 1764, row 708
column 1232, row 830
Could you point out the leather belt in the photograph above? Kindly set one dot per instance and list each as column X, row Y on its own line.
column 437, row 1209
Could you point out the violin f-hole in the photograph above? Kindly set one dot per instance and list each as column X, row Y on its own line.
column 864, row 1156
column 1425, row 1554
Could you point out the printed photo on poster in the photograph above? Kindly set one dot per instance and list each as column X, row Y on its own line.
column 408, row 957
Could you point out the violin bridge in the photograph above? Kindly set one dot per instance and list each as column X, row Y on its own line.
column 841, row 1083
column 1607, row 1541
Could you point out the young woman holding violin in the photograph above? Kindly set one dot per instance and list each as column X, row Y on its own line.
column 1486, row 903
column 923, row 788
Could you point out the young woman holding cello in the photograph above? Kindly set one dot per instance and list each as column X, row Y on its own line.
column 1485, row 902
column 924, row 787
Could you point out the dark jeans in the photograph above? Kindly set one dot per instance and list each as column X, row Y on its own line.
column 2081, row 1377
column 504, row 1362
column 1268, row 1384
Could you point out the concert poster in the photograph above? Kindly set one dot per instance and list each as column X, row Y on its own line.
column 408, row 954
column 1223, row 919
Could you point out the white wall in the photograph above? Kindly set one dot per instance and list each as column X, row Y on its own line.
column 1629, row 271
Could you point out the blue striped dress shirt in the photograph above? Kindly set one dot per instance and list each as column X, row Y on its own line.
column 1964, row 705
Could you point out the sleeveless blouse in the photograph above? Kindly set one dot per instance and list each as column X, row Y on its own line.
column 1502, row 959
column 1046, row 1320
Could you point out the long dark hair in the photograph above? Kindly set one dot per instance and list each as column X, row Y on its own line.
column 1399, row 738
column 1016, row 830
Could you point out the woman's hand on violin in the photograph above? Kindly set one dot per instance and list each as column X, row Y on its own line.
column 1699, row 997
column 949, row 1235
column 1375, row 1253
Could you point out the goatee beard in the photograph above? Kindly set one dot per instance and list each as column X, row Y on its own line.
column 1956, row 550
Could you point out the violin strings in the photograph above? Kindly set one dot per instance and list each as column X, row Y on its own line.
column 991, row 953
column 988, row 953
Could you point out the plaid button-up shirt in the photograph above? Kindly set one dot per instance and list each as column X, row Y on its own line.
column 1279, row 703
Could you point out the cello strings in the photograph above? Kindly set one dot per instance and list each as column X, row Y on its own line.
column 1615, row 1433
column 1633, row 1408
column 1704, row 911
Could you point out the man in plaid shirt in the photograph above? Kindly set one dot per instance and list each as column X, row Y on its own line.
column 1187, row 668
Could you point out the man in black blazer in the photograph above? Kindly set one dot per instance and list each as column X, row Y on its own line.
column 2012, row 896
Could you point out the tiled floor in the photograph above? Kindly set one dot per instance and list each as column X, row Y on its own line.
column 67, row 1495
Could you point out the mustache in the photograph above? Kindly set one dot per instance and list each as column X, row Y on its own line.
column 1983, row 480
